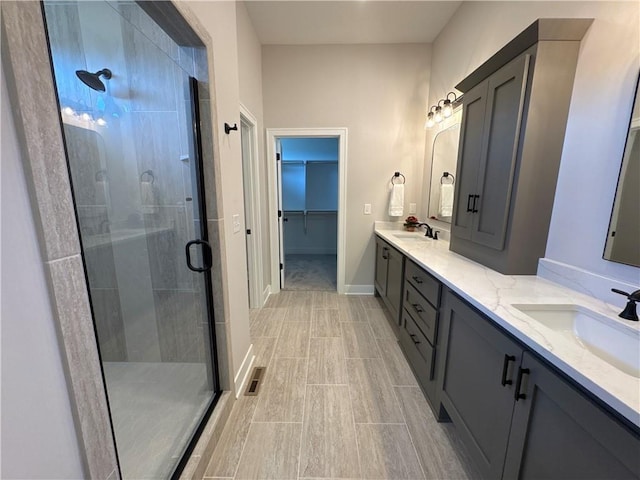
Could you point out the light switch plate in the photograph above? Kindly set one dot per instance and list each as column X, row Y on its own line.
column 412, row 208
column 367, row 209
column 236, row 223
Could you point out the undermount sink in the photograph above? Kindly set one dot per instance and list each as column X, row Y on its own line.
column 416, row 236
column 603, row 337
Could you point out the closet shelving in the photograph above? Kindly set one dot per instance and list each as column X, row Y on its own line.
column 313, row 188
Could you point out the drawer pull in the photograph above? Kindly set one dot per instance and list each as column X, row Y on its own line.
column 417, row 307
column 413, row 335
column 505, row 370
column 521, row 373
column 417, row 279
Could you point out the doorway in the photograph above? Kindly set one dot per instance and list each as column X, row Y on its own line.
column 252, row 188
column 307, row 189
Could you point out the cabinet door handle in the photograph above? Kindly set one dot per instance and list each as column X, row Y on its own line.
column 385, row 257
column 475, row 199
column 505, row 370
column 469, row 198
column 417, row 307
column 521, row 373
column 413, row 335
column 416, row 279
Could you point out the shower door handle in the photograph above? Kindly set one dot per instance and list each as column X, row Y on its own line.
column 206, row 255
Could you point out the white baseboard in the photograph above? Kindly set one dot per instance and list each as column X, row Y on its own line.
column 240, row 380
column 358, row 289
column 584, row 281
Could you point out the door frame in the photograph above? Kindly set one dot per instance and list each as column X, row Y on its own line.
column 272, row 135
column 251, row 197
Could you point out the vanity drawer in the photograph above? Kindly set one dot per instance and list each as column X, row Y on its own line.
column 420, row 343
column 428, row 286
column 423, row 313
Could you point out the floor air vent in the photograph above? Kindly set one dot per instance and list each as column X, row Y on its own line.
column 255, row 381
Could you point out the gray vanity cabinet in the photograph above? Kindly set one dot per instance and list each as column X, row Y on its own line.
column 477, row 377
column 515, row 108
column 519, row 418
column 419, row 328
column 558, row 433
column 388, row 279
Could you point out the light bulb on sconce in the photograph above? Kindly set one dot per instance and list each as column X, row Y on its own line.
column 430, row 118
column 447, row 109
column 438, row 115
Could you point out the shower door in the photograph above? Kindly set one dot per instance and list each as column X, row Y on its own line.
column 130, row 112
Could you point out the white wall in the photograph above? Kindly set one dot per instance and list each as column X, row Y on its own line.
column 379, row 93
column 250, row 78
column 219, row 18
column 601, row 103
column 38, row 433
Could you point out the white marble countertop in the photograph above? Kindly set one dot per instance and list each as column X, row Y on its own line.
column 494, row 294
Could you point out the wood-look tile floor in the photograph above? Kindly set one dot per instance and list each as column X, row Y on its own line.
column 338, row 400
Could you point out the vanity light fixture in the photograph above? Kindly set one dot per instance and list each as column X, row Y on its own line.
column 438, row 113
column 447, row 109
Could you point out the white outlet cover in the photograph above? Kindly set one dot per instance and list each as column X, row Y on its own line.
column 236, row 223
column 412, row 208
column 367, row 209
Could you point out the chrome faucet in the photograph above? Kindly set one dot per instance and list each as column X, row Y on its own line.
column 629, row 312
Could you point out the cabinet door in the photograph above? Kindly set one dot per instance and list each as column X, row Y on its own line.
column 476, row 377
column 395, row 278
column 382, row 261
column 469, row 154
column 505, row 101
column 558, row 433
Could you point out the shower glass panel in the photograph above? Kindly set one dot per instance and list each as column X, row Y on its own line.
column 129, row 117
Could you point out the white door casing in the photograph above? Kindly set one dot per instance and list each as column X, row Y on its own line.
column 275, row 200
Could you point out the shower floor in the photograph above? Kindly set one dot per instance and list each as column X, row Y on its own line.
column 154, row 409
column 310, row 272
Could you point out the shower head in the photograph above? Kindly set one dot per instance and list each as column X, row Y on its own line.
column 92, row 80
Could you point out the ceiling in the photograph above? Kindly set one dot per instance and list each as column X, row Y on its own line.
column 305, row 22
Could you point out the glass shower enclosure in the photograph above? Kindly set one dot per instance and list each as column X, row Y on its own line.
column 129, row 104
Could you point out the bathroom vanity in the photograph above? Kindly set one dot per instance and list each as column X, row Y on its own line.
column 539, row 380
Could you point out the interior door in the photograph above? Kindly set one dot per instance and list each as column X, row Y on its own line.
column 281, row 218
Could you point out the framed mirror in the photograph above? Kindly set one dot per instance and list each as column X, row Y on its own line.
column 623, row 237
column 444, row 159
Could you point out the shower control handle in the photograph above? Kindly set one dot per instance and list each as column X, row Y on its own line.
column 206, row 255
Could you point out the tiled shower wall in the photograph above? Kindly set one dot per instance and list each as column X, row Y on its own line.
column 144, row 298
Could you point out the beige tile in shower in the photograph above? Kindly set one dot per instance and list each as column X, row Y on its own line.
column 326, row 361
column 271, row 452
column 386, row 451
column 329, row 447
column 281, row 397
